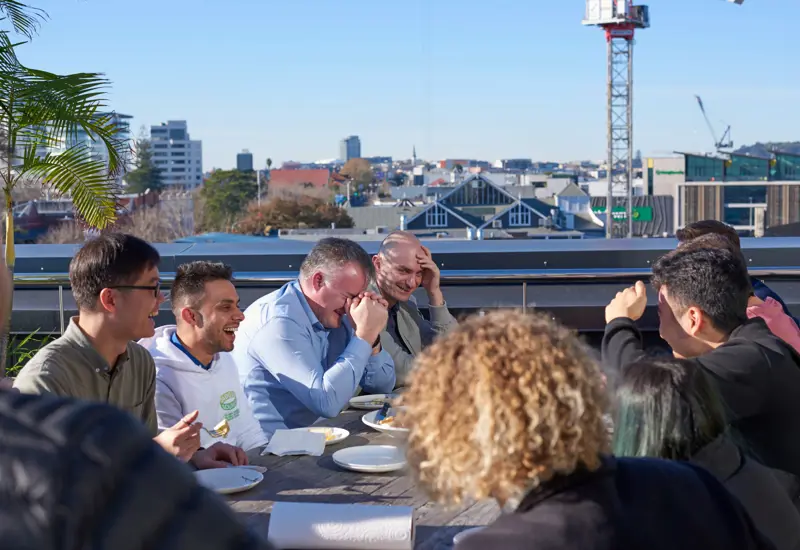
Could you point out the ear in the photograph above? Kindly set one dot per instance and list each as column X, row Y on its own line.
column 107, row 300
column 697, row 320
column 188, row 316
column 376, row 262
column 317, row 280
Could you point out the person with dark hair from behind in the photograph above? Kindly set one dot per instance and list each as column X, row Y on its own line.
column 194, row 370
column 116, row 286
column 668, row 408
column 76, row 474
column 702, row 299
column 714, row 227
column 510, row 406
column 304, row 350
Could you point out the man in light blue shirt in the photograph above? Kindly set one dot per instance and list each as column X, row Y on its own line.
column 303, row 350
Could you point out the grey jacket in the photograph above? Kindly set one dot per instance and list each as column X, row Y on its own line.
column 760, row 492
column 416, row 333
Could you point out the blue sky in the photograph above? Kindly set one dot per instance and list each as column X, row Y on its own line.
column 457, row 78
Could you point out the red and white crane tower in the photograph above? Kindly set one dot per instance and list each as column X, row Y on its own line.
column 619, row 19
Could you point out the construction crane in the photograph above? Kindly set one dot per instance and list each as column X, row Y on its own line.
column 620, row 19
column 725, row 141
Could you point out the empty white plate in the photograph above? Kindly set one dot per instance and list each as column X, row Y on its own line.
column 371, row 402
column 229, row 480
column 466, row 533
column 336, row 434
column 371, row 458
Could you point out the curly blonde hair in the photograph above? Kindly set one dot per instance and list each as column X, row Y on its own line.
column 499, row 405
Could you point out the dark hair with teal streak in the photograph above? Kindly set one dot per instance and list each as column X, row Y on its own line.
column 666, row 408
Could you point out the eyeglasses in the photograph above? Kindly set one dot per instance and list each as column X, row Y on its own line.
column 156, row 289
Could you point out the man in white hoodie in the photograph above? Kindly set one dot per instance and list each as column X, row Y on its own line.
column 194, row 370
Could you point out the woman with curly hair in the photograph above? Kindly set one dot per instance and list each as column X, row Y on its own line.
column 510, row 406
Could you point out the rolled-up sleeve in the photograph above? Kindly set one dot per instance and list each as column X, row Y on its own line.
column 285, row 349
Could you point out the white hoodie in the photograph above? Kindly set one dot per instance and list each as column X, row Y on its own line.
column 182, row 387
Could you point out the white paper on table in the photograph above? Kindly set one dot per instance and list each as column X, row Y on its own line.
column 296, row 442
column 305, row 525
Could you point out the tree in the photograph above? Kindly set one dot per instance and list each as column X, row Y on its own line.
column 359, row 171
column 146, row 175
column 300, row 211
column 39, row 110
column 269, row 164
column 225, row 196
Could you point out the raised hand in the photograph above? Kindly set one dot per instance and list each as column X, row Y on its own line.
column 368, row 317
column 629, row 303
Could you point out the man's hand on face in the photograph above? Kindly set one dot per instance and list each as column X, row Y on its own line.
column 629, row 303
column 377, row 297
column 183, row 439
column 431, row 277
column 219, row 455
column 368, row 317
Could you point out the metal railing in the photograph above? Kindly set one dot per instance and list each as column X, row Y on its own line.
column 472, row 277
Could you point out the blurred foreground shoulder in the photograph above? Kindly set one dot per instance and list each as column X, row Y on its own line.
column 86, row 475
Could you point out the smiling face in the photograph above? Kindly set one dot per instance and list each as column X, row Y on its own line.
column 398, row 271
column 219, row 317
column 133, row 307
column 327, row 294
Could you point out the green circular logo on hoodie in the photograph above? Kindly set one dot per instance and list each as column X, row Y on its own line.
column 228, row 401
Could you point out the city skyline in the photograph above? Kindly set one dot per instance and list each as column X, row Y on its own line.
column 513, row 80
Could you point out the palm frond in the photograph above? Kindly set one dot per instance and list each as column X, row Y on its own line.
column 25, row 19
column 76, row 173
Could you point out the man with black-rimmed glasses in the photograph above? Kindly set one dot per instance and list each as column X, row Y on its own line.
column 116, row 286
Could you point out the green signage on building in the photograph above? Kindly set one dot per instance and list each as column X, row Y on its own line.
column 669, row 172
column 640, row 213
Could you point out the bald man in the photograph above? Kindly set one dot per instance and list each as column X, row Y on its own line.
column 401, row 266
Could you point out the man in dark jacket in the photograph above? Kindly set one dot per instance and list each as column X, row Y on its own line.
column 702, row 301
column 86, row 475
column 714, row 227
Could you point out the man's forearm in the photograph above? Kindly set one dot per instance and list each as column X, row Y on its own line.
column 622, row 344
column 435, row 297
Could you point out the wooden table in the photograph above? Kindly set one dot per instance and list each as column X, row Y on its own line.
column 318, row 479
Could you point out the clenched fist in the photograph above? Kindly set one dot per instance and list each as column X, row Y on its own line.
column 629, row 303
column 368, row 316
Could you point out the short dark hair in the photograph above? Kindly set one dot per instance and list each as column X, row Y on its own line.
column 108, row 260
column 331, row 253
column 666, row 408
column 191, row 279
column 706, row 227
column 712, row 279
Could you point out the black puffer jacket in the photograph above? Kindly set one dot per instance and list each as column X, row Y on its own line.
column 77, row 475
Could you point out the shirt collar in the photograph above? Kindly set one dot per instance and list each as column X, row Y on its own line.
column 177, row 343
column 294, row 287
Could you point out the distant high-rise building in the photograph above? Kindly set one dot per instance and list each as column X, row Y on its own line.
column 350, row 148
column 244, row 161
column 179, row 157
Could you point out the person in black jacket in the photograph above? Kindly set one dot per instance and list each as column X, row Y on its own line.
column 668, row 408
column 86, row 475
column 701, row 228
column 702, row 302
column 510, row 406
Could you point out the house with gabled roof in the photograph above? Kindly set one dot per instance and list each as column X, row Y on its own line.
column 477, row 203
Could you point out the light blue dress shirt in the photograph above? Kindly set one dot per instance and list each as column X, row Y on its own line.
column 294, row 370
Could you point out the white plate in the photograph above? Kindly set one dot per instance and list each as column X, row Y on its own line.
column 339, row 434
column 466, row 533
column 369, row 420
column 229, row 480
column 371, row 402
column 371, row 458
